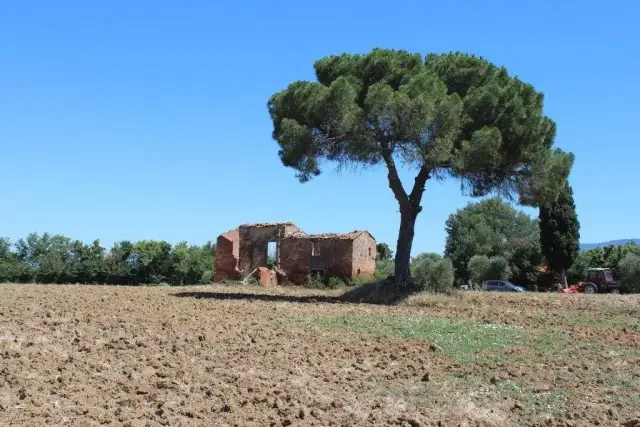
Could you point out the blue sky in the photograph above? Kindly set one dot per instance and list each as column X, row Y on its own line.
column 147, row 119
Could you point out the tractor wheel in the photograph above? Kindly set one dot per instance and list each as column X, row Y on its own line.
column 614, row 291
column 590, row 289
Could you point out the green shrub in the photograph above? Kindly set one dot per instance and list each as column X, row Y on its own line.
column 315, row 281
column 155, row 284
column 360, row 280
column 330, row 282
column 629, row 269
column 433, row 273
column 334, row 282
column 207, row 277
column 384, row 269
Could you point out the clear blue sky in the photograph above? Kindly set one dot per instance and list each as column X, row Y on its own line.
column 147, row 119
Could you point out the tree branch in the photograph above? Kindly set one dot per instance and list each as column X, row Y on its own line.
column 392, row 174
column 418, row 187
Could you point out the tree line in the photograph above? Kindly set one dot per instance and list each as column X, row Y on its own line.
column 488, row 239
column 492, row 240
column 47, row 258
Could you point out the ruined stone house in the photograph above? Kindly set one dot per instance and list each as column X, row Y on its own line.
column 298, row 255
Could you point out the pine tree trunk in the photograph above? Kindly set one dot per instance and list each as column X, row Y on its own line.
column 403, row 248
column 409, row 209
column 563, row 277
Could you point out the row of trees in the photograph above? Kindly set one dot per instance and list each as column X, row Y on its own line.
column 50, row 258
column 491, row 239
column 485, row 240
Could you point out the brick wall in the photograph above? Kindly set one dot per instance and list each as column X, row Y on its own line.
column 338, row 255
column 333, row 256
column 364, row 255
column 295, row 253
column 254, row 241
column 227, row 247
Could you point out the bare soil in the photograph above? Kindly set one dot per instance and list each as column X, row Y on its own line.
column 249, row 356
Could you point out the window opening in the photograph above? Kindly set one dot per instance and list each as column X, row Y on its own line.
column 315, row 249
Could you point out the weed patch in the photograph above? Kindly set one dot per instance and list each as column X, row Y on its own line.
column 505, row 396
column 549, row 402
column 466, row 342
column 620, row 321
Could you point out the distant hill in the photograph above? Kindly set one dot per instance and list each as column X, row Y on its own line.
column 587, row 246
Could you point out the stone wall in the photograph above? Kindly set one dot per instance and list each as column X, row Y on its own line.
column 227, row 247
column 364, row 255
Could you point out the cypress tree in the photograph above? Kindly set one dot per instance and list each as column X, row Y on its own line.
column 560, row 233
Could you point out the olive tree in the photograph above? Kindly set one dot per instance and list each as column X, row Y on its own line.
column 482, row 268
column 432, row 272
column 448, row 115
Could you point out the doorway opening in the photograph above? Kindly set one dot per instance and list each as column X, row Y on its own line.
column 272, row 254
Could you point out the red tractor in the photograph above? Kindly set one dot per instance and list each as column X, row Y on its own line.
column 599, row 281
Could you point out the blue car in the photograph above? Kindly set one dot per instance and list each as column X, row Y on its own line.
column 502, row 286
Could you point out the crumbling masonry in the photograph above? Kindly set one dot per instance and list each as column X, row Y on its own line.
column 244, row 251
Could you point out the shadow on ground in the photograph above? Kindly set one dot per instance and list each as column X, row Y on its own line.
column 249, row 296
column 384, row 293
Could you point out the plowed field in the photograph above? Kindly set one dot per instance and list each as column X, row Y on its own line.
column 234, row 356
